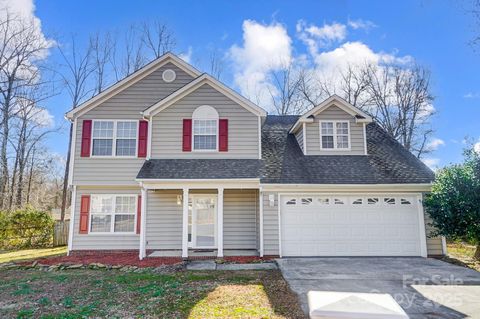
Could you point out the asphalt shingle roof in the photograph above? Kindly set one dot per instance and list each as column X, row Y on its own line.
column 283, row 162
column 387, row 161
column 200, row 168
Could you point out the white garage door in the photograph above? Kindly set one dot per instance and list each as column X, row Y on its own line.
column 368, row 225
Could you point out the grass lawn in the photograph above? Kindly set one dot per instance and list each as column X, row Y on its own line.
column 115, row 294
column 461, row 253
column 29, row 254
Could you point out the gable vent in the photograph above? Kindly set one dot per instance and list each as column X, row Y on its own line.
column 169, row 75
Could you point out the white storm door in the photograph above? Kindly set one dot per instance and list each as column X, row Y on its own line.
column 202, row 221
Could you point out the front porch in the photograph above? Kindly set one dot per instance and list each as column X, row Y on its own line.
column 200, row 221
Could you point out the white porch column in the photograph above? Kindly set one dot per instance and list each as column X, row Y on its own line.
column 143, row 225
column 220, row 223
column 260, row 217
column 185, row 224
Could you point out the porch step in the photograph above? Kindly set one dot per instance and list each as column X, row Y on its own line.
column 202, row 265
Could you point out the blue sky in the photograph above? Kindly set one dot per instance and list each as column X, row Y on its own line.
column 434, row 33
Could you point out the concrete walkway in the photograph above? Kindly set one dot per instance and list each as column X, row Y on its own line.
column 425, row 288
column 212, row 265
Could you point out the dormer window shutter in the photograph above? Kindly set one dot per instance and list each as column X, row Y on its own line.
column 187, row 135
column 223, row 135
column 86, row 138
column 142, row 138
column 84, row 213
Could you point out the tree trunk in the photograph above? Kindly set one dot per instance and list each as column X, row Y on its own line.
column 477, row 253
column 65, row 176
column 30, row 177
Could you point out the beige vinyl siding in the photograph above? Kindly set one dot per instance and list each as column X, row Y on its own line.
column 299, row 137
column 103, row 241
column 434, row 244
column 239, row 219
column 334, row 113
column 164, row 220
column 125, row 105
column 271, row 238
column 168, row 125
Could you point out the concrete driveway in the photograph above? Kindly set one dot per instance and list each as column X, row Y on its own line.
column 425, row 288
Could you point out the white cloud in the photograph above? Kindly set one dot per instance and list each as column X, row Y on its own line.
column 187, row 56
column 265, row 48
column 434, row 144
column 44, row 118
column 432, row 163
column 476, row 147
column 361, row 24
column 25, row 10
column 315, row 37
column 471, row 95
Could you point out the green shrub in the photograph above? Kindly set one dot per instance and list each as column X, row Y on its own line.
column 25, row 228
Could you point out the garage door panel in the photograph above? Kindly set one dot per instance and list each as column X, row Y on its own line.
column 368, row 225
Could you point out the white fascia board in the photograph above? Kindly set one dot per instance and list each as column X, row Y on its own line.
column 199, row 183
column 347, row 188
column 338, row 101
column 130, row 80
column 299, row 122
column 195, row 84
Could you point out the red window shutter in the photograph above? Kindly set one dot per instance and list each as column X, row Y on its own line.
column 139, row 212
column 142, row 138
column 86, row 138
column 84, row 212
column 223, row 135
column 187, row 135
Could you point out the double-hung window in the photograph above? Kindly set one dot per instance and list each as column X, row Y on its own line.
column 113, row 213
column 114, row 138
column 205, row 134
column 335, row 135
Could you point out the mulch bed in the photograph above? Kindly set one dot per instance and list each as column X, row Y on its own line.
column 123, row 259
column 131, row 259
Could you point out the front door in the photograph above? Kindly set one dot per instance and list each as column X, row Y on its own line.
column 202, row 215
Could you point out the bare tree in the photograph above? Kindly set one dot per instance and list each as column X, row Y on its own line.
column 102, row 46
column 21, row 47
column 285, row 90
column 354, row 85
column 134, row 57
column 310, row 88
column 475, row 12
column 217, row 64
column 157, row 38
column 401, row 102
column 76, row 74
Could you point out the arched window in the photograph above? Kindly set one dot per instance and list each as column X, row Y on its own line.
column 205, row 128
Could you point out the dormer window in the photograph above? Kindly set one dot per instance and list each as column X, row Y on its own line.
column 335, row 135
column 205, row 129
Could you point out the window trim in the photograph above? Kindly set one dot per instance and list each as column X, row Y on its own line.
column 112, row 222
column 335, row 148
column 217, row 134
column 114, row 139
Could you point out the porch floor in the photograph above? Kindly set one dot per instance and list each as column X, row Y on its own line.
column 203, row 253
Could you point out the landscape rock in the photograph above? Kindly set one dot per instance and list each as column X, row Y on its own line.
column 75, row 266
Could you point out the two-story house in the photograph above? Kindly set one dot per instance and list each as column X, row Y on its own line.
column 171, row 162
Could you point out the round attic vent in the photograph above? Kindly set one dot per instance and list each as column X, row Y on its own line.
column 169, row 75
